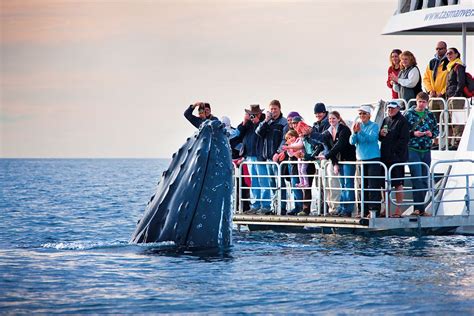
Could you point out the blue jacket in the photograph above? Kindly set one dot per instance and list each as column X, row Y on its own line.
column 273, row 136
column 366, row 141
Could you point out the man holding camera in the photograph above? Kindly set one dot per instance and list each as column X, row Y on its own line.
column 204, row 111
column 252, row 148
column 272, row 131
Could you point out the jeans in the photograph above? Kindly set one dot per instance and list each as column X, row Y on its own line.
column 272, row 170
column 297, row 193
column 421, row 173
column 259, row 191
column 347, row 186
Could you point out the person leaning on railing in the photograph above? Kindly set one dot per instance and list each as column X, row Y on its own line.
column 423, row 129
column 365, row 135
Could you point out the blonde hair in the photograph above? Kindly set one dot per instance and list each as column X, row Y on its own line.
column 411, row 58
column 291, row 133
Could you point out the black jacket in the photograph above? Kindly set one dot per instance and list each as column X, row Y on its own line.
column 339, row 149
column 316, row 136
column 273, row 135
column 195, row 120
column 456, row 81
column 252, row 144
column 394, row 146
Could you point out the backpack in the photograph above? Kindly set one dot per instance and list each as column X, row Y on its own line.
column 469, row 88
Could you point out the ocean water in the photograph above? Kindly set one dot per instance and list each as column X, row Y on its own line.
column 64, row 231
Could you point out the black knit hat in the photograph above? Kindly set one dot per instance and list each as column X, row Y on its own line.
column 319, row 108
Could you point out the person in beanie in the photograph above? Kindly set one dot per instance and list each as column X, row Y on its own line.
column 315, row 140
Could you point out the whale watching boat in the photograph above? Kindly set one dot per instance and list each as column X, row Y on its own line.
column 449, row 199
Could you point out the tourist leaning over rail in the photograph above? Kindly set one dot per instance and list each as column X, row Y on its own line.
column 434, row 80
column 455, row 88
column 204, row 111
column 340, row 150
column 423, row 129
column 316, row 140
column 365, row 134
column 394, row 136
column 272, row 130
column 394, row 69
column 252, row 148
column 408, row 82
column 310, row 153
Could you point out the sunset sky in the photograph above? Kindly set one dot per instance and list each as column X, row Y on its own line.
column 112, row 78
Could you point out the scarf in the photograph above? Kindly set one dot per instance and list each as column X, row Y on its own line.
column 453, row 63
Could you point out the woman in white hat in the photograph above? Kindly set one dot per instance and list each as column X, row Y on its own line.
column 365, row 136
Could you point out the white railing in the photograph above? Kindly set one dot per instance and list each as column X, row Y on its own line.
column 452, row 118
column 321, row 185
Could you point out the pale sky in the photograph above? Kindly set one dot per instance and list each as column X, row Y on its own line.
column 112, row 78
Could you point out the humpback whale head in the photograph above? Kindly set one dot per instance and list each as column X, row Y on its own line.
column 192, row 204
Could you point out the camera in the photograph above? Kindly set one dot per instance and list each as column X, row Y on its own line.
column 269, row 114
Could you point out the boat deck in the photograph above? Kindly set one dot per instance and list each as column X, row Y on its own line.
column 411, row 225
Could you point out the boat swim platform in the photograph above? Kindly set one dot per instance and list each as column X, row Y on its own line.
column 380, row 226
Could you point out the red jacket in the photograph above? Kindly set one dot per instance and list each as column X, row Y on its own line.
column 389, row 82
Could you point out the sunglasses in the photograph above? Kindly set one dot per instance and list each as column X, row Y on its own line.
column 362, row 113
column 449, row 53
column 200, row 111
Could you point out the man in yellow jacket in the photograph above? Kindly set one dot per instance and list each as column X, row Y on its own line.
column 434, row 80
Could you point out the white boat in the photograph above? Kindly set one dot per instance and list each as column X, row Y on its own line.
column 450, row 196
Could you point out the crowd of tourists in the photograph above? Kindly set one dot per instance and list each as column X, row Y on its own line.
column 269, row 136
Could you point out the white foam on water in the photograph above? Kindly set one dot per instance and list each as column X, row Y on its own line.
column 100, row 245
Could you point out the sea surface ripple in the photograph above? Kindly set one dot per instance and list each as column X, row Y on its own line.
column 64, row 231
